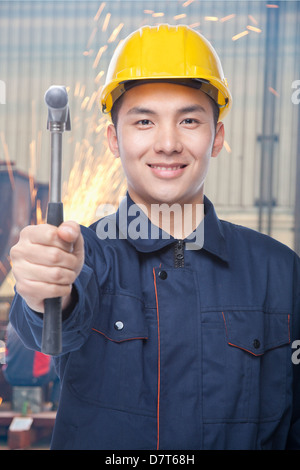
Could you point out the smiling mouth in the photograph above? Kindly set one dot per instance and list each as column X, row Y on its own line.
column 167, row 168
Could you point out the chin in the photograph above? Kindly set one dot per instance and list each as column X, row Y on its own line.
column 166, row 198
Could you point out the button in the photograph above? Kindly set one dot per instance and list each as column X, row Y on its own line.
column 256, row 343
column 162, row 275
column 119, row 325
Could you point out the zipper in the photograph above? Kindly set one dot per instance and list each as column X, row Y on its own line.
column 179, row 254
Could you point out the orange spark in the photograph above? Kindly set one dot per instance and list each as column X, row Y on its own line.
column 91, row 101
column 82, row 91
column 91, row 38
column 240, row 35
column 98, row 57
column 106, row 21
column 195, row 25
column 211, row 18
column 227, row 146
column 115, row 33
column 252, row 19
column 85, row 102
column 99, row 76
column 77, row 89
column 253, row 28
column 274, row 91
column 179, row 17
column 227, row 18
column 97, row 16
column 39, row 217
column 187, row 3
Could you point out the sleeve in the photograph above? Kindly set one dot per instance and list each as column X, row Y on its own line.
column 294, row 433
column 75, row 327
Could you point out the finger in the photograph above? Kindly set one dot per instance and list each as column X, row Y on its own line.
column 47, row 274
column 25, row 287
column 45, row 235
column 51, row 256
column 69, row 231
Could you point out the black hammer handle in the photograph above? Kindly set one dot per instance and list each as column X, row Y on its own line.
column 51, row 339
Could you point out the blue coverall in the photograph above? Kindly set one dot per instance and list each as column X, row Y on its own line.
column 170, row 348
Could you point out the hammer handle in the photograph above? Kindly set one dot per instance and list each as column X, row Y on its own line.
column 52, row 322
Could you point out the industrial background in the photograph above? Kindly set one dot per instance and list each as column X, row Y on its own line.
column 255, row 181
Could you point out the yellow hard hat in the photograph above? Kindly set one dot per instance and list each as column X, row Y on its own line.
column 166, row 53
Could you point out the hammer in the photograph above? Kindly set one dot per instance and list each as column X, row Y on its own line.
column 56, row 98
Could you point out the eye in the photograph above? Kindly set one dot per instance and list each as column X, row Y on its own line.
column 190, row 121
column 144, row 122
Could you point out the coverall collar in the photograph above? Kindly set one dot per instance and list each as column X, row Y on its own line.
column 214, row 240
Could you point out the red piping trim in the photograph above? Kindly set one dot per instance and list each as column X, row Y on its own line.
column 244, row 349
column 119, row 340
column 158, row 366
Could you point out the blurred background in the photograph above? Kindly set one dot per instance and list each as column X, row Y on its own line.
column 255, row 181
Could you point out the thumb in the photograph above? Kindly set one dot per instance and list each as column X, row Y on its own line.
column 69, row 231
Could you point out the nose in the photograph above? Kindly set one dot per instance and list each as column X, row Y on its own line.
column 167, row 140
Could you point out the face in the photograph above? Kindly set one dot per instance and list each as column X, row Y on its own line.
column 165, row 138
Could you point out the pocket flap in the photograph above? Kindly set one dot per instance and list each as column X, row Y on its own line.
column 121, row 318
column 256, row 331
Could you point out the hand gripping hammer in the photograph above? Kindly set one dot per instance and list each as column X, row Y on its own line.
column 56, row 99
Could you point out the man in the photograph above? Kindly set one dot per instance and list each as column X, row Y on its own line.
column 172, row 341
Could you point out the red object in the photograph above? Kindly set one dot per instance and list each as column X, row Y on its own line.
column 41, row 364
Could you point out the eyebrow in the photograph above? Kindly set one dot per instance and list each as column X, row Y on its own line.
column 192, row 109
column 184, row 110
column 140, row 110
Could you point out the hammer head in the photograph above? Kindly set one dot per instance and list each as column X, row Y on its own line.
column 56, row 98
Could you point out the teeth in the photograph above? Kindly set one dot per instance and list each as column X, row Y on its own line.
column 166, row 168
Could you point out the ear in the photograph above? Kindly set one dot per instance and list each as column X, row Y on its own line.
column 113, row 140
column 219, row 140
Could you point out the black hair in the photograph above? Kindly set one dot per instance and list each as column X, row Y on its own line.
column 117, row 105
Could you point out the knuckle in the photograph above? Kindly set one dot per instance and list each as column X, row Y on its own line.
column 19, row 288
column 55, row 256
column 56, row 275
column 27, row 231
column 22, row 287
column 67, row 290
column 12, row 252
column 59, row 290
column 24, row 232
column 75, row 262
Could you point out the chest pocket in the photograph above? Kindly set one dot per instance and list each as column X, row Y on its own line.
column 109, row 370
column 245, row 361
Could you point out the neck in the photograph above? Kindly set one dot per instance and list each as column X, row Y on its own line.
column 178, row 220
